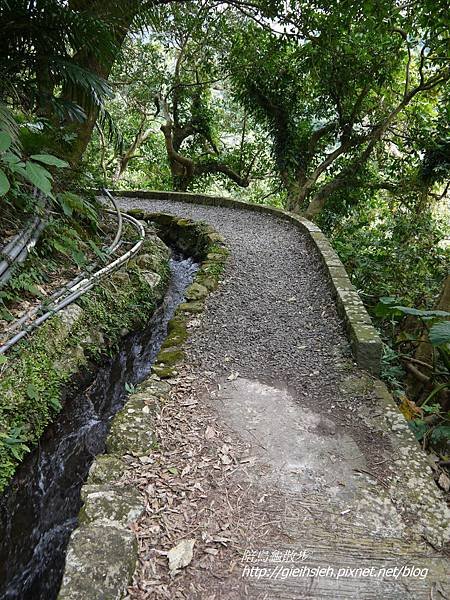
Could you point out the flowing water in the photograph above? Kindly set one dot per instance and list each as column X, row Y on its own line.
column 39, row 510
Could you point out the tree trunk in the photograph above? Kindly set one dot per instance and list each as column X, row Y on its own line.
column 296, row 191
column 444, row 299
column 121, row 23
column 320, row 198
column 425, row 350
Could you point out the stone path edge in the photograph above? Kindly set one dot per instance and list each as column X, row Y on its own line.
column 102, row 551
column 364, row 340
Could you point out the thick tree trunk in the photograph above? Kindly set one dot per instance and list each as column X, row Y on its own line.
column 320, row 198
column 296, row 191
column 444, row 299
column 121, row 23
column 184, row 169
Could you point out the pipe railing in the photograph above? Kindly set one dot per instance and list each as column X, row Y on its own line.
column 81, row 284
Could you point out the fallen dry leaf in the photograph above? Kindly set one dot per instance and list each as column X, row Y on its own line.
column 180, row 555
column 210, row 432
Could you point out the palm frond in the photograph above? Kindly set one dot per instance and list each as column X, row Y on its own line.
column 9, row 124
column 72, row 74
column 109, row 126
column 67, row 110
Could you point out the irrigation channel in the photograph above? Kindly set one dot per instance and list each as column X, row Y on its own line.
column 39, row 510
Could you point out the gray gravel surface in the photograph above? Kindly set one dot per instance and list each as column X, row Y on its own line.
column 274, row 317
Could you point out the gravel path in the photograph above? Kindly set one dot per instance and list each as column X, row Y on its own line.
column 275, row 318
column 313, row 465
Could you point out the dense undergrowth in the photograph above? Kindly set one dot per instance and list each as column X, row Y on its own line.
column 35, row 374
column 67, row 245
column 399, row 262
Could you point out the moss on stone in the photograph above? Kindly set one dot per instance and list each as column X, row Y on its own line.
column 175, row 339
column 182, row 222
column 100, row 563
column 170, row 356
column 163, row 371
column 132, row 429
column 110, row 504
column 106, row 468
column 214, row 256
column 215, row 237
column 155, row 387
column 219, row 249
column 208, row 281
column 149, row 262
column 213, row 268
column 196, row 291
column 177, row 325
column 137, row 213
column 30, row 390
column 194, row 307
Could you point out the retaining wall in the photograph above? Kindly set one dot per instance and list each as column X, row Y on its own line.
column 39, row 367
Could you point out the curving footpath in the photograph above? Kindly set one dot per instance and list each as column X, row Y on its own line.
column 330, row 478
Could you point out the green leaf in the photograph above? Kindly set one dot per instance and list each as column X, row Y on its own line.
column 425, row 314
column 433, row 409
column 11, row 159
column 441, row 433
column 59, row 247
column 55, row 404
column 173, row 470
column 5, row 141
column 439, row 333
column 97, row 251
column 418, row 427
column 4, row 183
column 39, row 177
column 3, row 359
column 67, row 210
column 389, row 300
column 49, row 159
column 79, row 257
column 75, row 203
column 383, row 309
column 32, row 392
column 15, row 452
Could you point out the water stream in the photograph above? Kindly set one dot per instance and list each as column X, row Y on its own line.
column 39, row 510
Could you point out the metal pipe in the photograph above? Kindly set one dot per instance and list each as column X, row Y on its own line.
column 119, row 218
column 87, row 285
column 74, row 283
column 30, row 233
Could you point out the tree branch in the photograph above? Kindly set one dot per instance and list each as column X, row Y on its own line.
column 211, row 167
